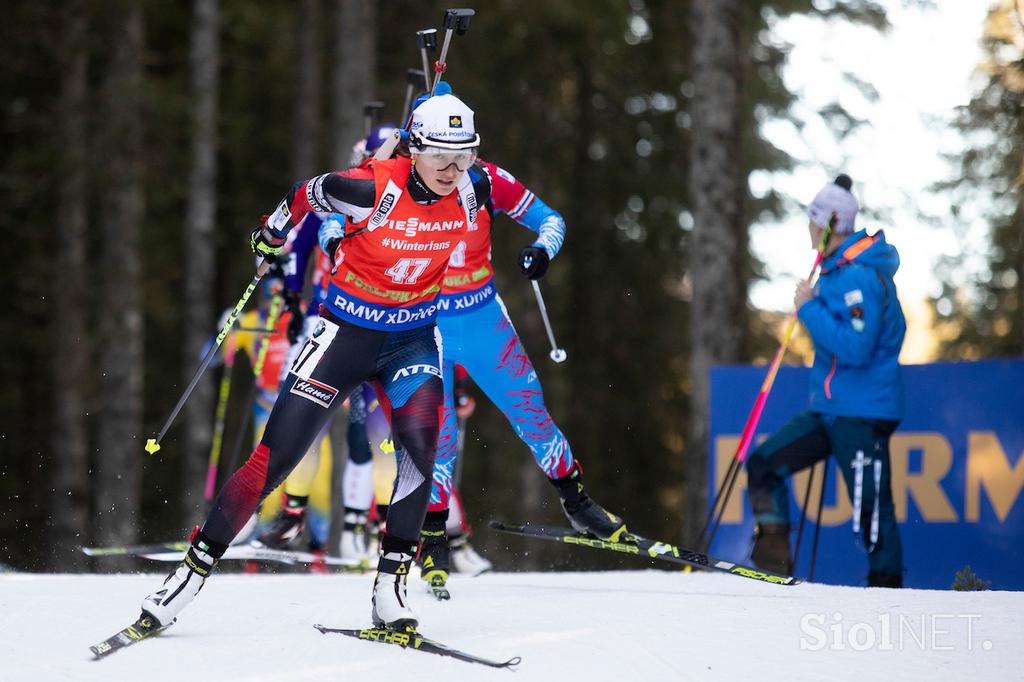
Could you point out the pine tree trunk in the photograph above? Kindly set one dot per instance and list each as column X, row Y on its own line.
column 716, row 192
column 306, row 122
column 118, row 463
column 69, row 465
column 200, row 219
column 352, row 78
column 354, row 74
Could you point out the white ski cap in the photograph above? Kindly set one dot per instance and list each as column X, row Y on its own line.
column 835, row 197
column 444, row 121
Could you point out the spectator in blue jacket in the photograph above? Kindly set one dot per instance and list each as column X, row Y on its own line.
column 855, row 321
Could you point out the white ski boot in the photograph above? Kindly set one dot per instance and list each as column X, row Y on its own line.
column 353, row 546
column 390, row 596
column 464, row 558
column 180, row 587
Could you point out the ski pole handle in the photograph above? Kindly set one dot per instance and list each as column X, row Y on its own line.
column 426, row 41
column 557, row 354
column 455, row 21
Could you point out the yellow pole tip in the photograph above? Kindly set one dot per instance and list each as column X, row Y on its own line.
column 152, row 446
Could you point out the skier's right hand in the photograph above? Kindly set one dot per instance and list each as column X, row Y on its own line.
column 264, row 242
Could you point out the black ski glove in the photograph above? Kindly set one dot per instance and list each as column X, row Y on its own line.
column 293, row 304
column 533, row 261
column 264, row 243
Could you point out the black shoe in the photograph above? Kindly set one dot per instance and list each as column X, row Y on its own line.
column 435, row 554
column 771, row 548
column 583, row 513
column 285, row 531
column 885, row 580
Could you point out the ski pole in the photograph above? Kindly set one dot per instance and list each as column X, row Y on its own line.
column 557, row 354
column 455, row 21
column 817, row 523
column 153, row 444
column 426, row 41
column 713, row 519
column 803, row 517
column 218, row 430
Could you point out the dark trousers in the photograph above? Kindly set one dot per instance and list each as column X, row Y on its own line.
column 403, row 367
column 857, row 444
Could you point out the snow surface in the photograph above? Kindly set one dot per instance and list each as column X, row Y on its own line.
column 628, row 625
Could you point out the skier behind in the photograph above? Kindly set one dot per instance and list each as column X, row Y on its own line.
column 479, row 336
column 267, row 353
column 405, row 217
column 273, row 347
column 855, row 321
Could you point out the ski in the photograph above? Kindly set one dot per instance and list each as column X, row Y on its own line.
column 171, row 551
column 410, row 639
column 144, row 628
column 136, row 550
column 642, row 547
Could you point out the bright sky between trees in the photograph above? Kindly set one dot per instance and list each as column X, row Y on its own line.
column 922, row 68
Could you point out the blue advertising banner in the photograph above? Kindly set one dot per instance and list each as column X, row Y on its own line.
column 957, row 463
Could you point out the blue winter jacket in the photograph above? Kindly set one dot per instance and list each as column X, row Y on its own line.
column 857, row 326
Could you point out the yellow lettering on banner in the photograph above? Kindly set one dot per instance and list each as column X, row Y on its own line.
column 925, row 487
column 988, row 466
column 831, row 514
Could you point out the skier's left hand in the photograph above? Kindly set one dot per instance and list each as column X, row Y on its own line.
column 533, row 261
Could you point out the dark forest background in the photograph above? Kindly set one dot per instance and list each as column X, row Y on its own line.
column 141, row 141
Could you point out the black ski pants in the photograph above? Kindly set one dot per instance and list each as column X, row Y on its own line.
column 404, row 368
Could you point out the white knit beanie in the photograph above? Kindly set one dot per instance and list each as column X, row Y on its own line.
column 835, row 198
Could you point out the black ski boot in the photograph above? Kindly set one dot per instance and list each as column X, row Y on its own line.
column 435, row 555
column 771, row 548
column 583, row 513
column 285, row 531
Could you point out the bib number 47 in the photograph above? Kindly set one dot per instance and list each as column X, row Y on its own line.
column 407, row 270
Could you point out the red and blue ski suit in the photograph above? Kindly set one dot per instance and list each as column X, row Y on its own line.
column 479, row 336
